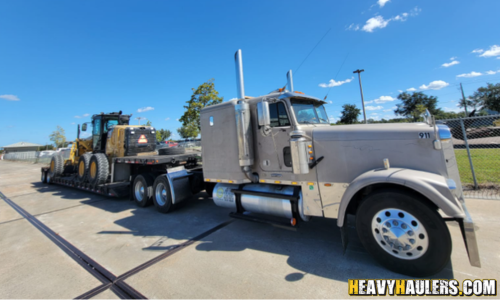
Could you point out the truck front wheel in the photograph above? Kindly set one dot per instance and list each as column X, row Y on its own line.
column 403, row 233
column 162, row 196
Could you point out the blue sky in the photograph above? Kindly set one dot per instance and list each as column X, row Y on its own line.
column 62, row 61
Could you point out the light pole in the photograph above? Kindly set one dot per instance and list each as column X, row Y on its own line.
column 140, row 118
column 361, row 88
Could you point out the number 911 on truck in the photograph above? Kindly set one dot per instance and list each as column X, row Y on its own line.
column 276, row 159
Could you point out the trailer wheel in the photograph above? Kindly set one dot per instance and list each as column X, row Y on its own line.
column 142, row 189
column 44, row 176
column 56, row 166
column 98, row 168
column 162, row 196
column 83, row 167
column 403, row 233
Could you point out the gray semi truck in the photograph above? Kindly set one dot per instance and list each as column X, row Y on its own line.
column 277, row 159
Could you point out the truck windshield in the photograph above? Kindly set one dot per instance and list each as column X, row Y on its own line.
column 309, row 112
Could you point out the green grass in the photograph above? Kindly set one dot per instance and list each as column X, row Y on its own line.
column 486, row 165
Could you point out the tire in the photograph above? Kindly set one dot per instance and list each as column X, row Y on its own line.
column 44, row 177
column 171, row 151
column 142, row 189
column 162, row 197
column 83, row 167
column 56, row 166
column 209, row 188
column 98, row 169
column 424, row 244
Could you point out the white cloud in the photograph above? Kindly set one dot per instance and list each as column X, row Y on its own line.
column 73, row 123
column 412, row 89
column 386, row 110
column 144, row 109
column 330, row 102
column 493, row 51
column 477, row 51
column 82, row 116
column 333, row 83
column 400, row 91
column 452, row 63
column 9, row 97
column 374, row 23
column 373, row 114
column 381, row 3
column 85, row 134
column 491, row 72
column 471, row 74
column 177, row 120
column 332, row 119
column 373, row 107
column 435, row 85
column 453, row 58
column 379, row 21
column 383, row 99
column 456, row 109
column 167, row 119
column 353, row 27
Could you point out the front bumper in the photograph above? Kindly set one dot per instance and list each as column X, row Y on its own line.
column 469, row 235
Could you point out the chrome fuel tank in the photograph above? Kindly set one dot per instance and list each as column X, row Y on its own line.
column 224, row 197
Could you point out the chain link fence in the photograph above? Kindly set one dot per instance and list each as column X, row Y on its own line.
column 476, row 141
column 42, row 157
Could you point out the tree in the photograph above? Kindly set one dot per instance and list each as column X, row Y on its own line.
column 58, row 137
column 204, row 95
column 488, row 97
column 408, row 107
column 148, row 123
column 350, row 114
column 188, row 131
column 163, row 134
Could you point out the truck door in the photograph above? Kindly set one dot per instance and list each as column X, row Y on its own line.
column 274, row 148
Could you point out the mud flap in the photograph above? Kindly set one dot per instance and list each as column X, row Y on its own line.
column 344, row 236
column 469, row 236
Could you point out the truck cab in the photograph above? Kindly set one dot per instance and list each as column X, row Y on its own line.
column 278, row 155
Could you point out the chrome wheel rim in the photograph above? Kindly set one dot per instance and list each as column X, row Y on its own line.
column 400, row 234
column 139, row 191
column 161, row 194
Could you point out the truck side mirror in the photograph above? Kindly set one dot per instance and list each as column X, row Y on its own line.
column 263, row 113
column 84, row 127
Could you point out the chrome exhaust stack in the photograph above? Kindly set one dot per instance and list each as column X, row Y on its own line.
column 289, row 79
column 243, row 126
column 240, row 85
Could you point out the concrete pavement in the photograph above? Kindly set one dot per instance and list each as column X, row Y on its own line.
column 239, row 260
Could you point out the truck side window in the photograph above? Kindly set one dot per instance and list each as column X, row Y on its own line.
column 279, row 117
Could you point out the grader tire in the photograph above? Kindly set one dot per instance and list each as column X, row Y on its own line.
column 83, row 167
column 98, row 169
column 56, row 166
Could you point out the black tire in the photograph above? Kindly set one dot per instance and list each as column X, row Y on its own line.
column 44, row 177
column 142, row 189
column 56, row 166
column 98, row 169
column 411, row 210
column 209, row 188
column 162, row 197
column 171, row 151
column 83, row 167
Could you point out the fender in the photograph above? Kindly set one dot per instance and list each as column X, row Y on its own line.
column 432, row 186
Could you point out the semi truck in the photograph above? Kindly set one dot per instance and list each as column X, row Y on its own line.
column 276, row 159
